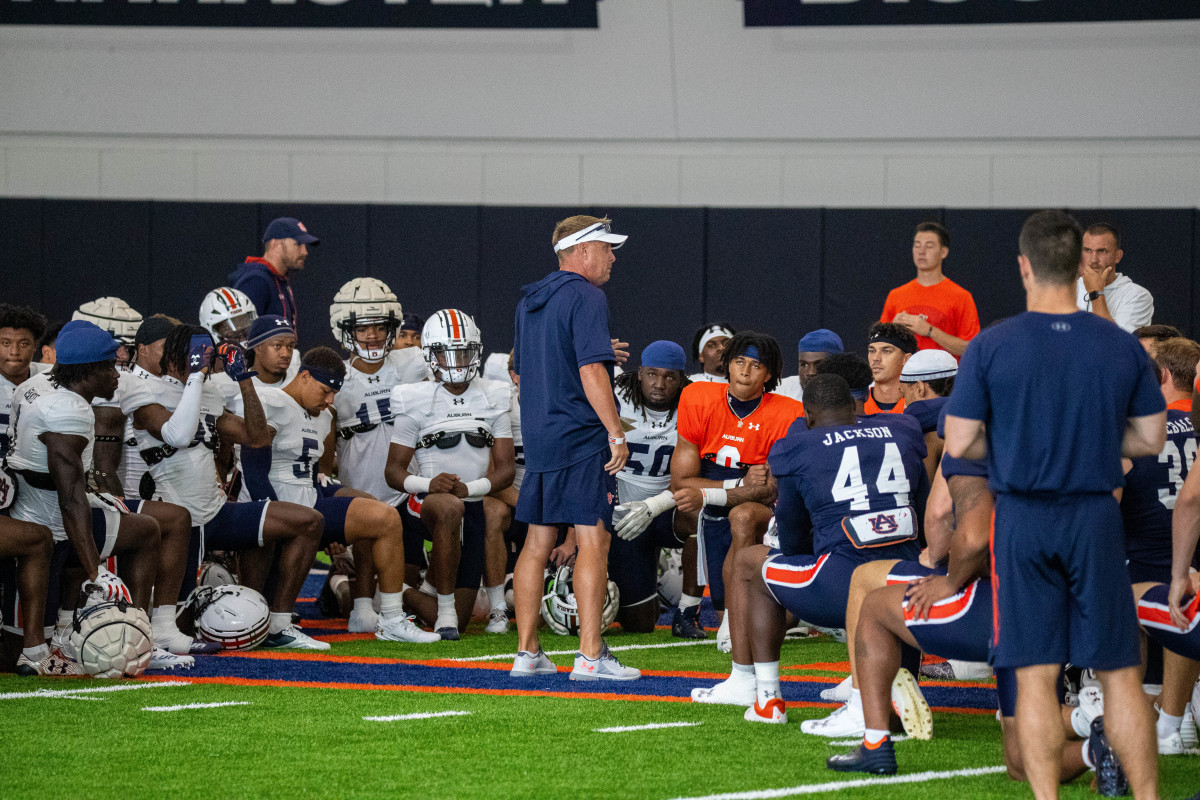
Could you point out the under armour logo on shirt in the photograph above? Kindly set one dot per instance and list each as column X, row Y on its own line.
column 754, row 426
column 458, row 401
column 374, row 378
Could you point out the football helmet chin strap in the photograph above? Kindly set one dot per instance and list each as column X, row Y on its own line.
column 372, row 355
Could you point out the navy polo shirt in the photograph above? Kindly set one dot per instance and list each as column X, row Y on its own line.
column 1055, row 391
column 561, row 325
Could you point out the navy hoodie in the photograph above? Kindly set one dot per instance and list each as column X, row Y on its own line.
column 561, row 325
column 270, row 292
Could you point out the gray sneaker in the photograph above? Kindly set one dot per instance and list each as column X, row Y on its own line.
column 604, row 668
column 403, row 629
column 527, row 664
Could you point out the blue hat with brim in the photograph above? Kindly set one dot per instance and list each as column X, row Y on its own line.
column 82, row 342
column 664, row 355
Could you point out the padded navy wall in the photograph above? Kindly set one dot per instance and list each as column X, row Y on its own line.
column 784, row 271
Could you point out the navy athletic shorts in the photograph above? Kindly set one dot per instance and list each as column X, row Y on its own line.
column 717, row 540
column 1155, row 617
column 473, row 533
column 1062, row 593
column 1143, row 572
column 334, row 510
column 581, row 494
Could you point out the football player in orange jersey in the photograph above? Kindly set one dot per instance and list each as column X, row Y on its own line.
column 719, row 464
column 889, row 345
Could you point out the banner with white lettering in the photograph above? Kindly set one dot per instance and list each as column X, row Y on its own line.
column 305, row 13
column 765, row 13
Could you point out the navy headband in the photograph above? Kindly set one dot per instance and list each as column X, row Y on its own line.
column 323, row 376
column 885, row 339
column 750, row 352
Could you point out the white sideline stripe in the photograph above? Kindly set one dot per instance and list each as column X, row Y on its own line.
column 427, row 715
column 74, row 697
column 653, row 726
column 93, row 690
column 197, row 705
column 506, row 656
column 837, row 786
column 851, row 742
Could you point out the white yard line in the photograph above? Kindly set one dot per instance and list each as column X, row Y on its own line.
column 837, row 786
column 90, row 690
column 187, row 706
column 427, row 715
column 651, row 727
column 508, row 656
column 72, row 697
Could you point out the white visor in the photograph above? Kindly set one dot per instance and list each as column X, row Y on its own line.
column 600, row 232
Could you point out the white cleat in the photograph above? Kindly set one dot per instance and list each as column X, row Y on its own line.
column 1171, row 746
column 497, row 621
column 1187, row 731
column 165, row 659
column 727, row 693
column 362, row 621
column 724, row 638
column 528, row 664
column 839, row 693
column 774, row 712
column 842, row 723
column 1091, row 702
column 54, row 665
column 403, row 629
column 910, row 706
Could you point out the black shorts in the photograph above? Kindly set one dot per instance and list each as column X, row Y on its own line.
column 472, row 535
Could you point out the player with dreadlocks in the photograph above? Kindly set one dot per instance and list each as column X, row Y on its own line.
column 719, row 466
column 648, row 398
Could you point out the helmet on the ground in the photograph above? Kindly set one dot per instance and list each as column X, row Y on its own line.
column 560, row 610
column 235, row 617
column 114, row 315
column 112, row 639
column 365, row 301
column 216, row 573
column 226, row 313
column 670, row 577
column 452, row 346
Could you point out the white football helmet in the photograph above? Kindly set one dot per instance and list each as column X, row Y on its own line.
column 226, row 314
column 236, row 617
column 560, row 610
column 213, row 573
column 365, row 301
column 452, row 346
column 670, row 577
column 115, row 316
column 112, row 640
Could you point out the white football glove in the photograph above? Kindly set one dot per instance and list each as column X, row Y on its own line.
column 107, row 588
column 640, row 513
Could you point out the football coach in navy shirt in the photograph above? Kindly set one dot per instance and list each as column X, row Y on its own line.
column 574, row 442
column 1054, row 397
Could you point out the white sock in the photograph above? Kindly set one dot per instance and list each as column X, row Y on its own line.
column 874, row 736
column 427, row 588
column 390, row 605
column 447, row 617
column 1080, row 724
column 496, row 597
column 1166, row 724
column 686, row 601
column 363, row 604
column 64, row 618
column 162, row 623
column 1087, row 760
column 742, row 673
column 280, row 621
column 855, row 702
column 766, row 674
column 36, row 654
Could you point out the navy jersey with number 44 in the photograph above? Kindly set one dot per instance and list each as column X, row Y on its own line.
column 854, row 486
column 1151, row 488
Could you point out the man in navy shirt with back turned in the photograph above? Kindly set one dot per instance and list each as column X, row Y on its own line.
column 1053, row 398
column 573, row 439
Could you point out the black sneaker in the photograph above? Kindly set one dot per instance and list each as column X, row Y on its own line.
column 880, row 761
column 686, row 624
column 1110, row 777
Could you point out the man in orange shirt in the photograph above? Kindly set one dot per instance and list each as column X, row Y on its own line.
column 889, row 345
column 939, row 312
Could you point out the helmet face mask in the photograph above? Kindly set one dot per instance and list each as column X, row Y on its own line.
column 453, row 347
column 226, row 314
column 559, row 608
column 362, row 303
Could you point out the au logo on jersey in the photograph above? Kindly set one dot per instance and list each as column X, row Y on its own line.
column 884, row 524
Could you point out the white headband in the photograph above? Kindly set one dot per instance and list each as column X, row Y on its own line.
column 713, row 332
column 599, row 232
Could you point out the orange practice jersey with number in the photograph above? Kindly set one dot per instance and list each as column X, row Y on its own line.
column 706, row 420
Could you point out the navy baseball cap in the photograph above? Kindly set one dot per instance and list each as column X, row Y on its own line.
column 822, row 340
column 289, row 228
column 267, row 327
column 664, row 355
column 85, row 343
column 412, row 322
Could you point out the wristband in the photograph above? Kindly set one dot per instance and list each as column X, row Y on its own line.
column 616, row 440
column 415, row 484
column 478, row 487
column 930, row 334
column 715, row 497
column 732, row 483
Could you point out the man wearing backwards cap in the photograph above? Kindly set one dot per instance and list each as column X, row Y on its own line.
column 889, row 345
column 265, row 279
column 708, row 345
column 271, row 350
column 815, row 347
column 410, row 331
column 574, row 441
column 926, row 382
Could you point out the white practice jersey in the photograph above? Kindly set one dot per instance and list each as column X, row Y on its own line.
column 39, row 406
column 132, row 467
column 514, row 420
column 364, row 420
column 6, row 401
column 651, row 443
column 238, row 407
column 704, row 377
column 186, row 477
column 428, row 409
column 790, row 387
column 285, row 470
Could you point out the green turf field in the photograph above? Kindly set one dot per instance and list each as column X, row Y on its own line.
column 286, row 741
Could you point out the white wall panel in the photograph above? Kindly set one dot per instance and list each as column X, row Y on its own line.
column 52, row 172
column 846, row 181
column 939, row 181
column 1054, row 180
column 137, row 174
column 731, row 181
column 631, row 180
column 340, row 177
column 531, row 179
column 435, row 178
column 1161, row 181
column 228, row 174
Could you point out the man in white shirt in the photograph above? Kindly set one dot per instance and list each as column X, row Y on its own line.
column 1102, row 290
